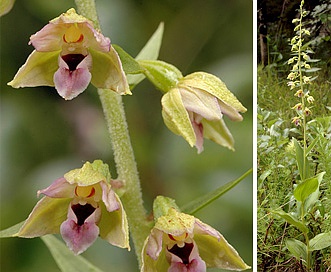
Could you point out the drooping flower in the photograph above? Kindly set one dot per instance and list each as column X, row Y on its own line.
column 80, row 206
column 194, row 109
column 69, row 54
column 180, row 242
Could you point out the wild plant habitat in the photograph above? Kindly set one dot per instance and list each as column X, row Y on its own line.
column 133, row 149
column 294, row 137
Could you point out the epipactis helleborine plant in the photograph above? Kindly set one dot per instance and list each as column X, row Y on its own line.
column 81, row 206
column 69, row 54
column 180, row 242
column 194, row 109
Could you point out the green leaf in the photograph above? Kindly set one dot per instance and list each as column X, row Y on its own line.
column 204, row 200
column 11, row 231
column 313, row 143
column 301, row 161
column 66, row 260
column 149, row 52
column 305, row 188
column 130, row 65
column 320, row 241
column 297, row 248
column 290, row 219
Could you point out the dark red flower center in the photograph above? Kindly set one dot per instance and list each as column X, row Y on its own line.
column 182, row 252
column 82, row 212
column 72, row 60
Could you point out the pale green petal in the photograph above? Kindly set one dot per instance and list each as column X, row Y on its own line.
column 218, row 132
column 219, row 254
column 89, row 174
column 114, row 226
column 107, row 71
column 214, row 86
column 38, row 70
column 175, row 116
column 45, row 218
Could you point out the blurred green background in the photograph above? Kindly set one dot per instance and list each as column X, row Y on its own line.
column 43, row 136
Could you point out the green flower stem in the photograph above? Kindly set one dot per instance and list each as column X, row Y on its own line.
column 123, row 153
column 126, row 167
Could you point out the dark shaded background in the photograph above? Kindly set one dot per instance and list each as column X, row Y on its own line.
column 43, row 136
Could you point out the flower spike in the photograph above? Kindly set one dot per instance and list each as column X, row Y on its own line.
column 69, row 54
column 80, row 206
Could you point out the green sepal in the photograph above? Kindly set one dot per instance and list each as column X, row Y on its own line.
column 46, row 217
column 107, row 71
column 89, row 174
column 219, row 253
column 199, row 203
column 38, row 70
column 130, row 65
column 163, row 75
column 161, row 206
column 175, row 116
column 149, row 52
column 66, row 260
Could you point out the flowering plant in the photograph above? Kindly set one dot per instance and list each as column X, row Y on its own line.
column 86, row 203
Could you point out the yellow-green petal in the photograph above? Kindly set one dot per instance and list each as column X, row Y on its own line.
column 175, row 223
column 219, row 254
column 175, row 116
column 107, row 71
column 45, row 218
column 114, row 226
column 89, row 174
column 38, row 70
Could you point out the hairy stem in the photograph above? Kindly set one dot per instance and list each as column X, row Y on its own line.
column 123, row 153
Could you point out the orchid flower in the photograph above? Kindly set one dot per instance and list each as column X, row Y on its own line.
column 180, row 242
column 194, row 109
column 69, row 54
column 80, row 206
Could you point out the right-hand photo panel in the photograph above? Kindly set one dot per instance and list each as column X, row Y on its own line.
column 294, row 135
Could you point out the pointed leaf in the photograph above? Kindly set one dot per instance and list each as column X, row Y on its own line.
column 313, row 143
column 204, row 200
column 290, row 219
column 301, row 161
column 66, row 260
column 320, row 241
column 305, row 188
column 149, row 52
column 297, row 248
column 11, row 231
